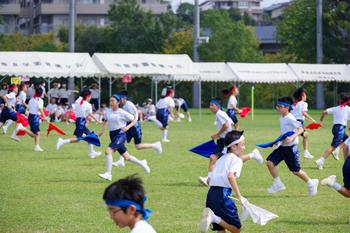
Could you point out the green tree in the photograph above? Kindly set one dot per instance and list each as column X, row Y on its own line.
column 185, row 13
column 179, row 43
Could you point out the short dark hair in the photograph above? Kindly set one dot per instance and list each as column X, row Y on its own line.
column 299, row 93
column 129, row 188
column 288, row 100
column 232, row 136
column 38, row 91
column 123, row 93
column 85, row 92
column 344, row 97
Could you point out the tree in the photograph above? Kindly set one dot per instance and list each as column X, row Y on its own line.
column 185, row 13
column 179, row 43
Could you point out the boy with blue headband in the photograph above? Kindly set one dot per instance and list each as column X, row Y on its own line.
column 125, row 201
column 288, row 150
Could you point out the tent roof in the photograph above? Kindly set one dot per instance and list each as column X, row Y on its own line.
column 48, row 64
column 178, row 65
column 263, row 72
column 321, row 72
column 215, row 72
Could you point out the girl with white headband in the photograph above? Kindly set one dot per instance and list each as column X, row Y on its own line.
column 220, row 209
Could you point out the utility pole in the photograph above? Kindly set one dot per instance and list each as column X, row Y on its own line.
column 71, row 40
column 196, row 88
column 320, row 104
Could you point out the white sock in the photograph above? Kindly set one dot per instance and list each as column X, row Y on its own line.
column 322, row 159
column 91, row 148
column 121, row 159
column 216, row 219
column 251, row 155
column 165, row 134
column 277, row 180
column 309, row 183
column 8, row 123
column 65, row 141
column 109, row 161
column 14, row 133
column 336, row 186
column 158, row 123
column 134, row 160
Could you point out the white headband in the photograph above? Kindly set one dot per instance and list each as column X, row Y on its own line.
column 232, row 143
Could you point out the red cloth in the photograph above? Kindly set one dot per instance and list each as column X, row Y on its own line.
column 54, row 127
column 24, row 121
column 313, row 126
column 245, row 112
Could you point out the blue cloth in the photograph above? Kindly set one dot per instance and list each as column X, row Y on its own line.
column 205, row 149
column 346, row 173
column 135, row 133
column 162, row 116
column 126, row 203
column 339, row 135
column 283, row 104
column 219, row 201
column 118, row 138
column 90, row 138
column 34, row 122
column 231, row 113
column 279, row 139
column 80, row 127
column 290, row 155
column 20, row 108
column 7, row 114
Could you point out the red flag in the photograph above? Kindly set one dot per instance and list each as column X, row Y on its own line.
column 22, row 119
column 313, row 126
column 54, row 127
column 245, row 112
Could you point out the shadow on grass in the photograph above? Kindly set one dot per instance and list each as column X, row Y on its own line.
column 313, row 222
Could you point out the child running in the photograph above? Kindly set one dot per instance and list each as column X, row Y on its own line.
column 299, row 111
column 232, row 108
column 288, row 150
column 135, row 132
column 180, row 103
column 83, row 110
column 221, row 210
column 331, row 181
column 125, row 200
column 341, row 115
column 8, row 113
column 116, row 119
column 21, row 105
column 224, row 125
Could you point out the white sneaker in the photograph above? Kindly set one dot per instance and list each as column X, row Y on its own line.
column 14, row 137
column 319, row 164
column 59, row 143
column 335, row 153
column 119, row 163
column 312, row 189
column 37, row 148
column 20, row 127
column 158, row 147
column 257, row 156
column 106, row 176
column 4, row 129
column 329, row 181
column 165, row 140
column 308, row 155
column 207, row 219
column 94, row 154
column 276, row 187
column 203, row 180
column 146, row 167
column 189, row 120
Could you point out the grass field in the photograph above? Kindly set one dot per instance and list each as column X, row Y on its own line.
column 59, row 191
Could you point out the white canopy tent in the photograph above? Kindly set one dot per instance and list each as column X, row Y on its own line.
column 215, row 72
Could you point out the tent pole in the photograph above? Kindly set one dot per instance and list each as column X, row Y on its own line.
column 99, row 85
column 110, row 86
column 48, row 89
column 252, row 101
column 151, row 88
column 335, row 93
column 156, row 91
column 200, row 99
column 81, row 83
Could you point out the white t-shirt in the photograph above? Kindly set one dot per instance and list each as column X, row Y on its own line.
column 130, row 108
column 341, row 115
column 95, row 93
column 60, row 110
column 54, row 93
column 289, row 123
column 165, row 102
column 117, row 119
column 226, row 164
column 52, row 108
column 179, row 102
column 299, row 109
column 347, row 142
column 142, row 227
column 83, row 110
column 221, row 118
column 232, row 102
column 63, row 93
column 34, row 105
column 22, row 97
column 11, row 98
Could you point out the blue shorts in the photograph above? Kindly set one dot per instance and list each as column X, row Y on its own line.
column 20, row 108
column 136, row 133
column 80, row 127
column 162, row 116
column 220, row 144
column 7, row 114
column 231, row 113
column 290, row 155
column 34, row 122
column 118, row 138
column 184, row 106
column 346, row 173
column 219, row 201
column 339, row 135
column 95, row 103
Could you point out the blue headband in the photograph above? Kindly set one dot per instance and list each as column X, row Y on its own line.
column 217, row 104
column 117, row 97
column 126, row 203
column 283, row 104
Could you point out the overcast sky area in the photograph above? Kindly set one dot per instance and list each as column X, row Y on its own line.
column 264, row 3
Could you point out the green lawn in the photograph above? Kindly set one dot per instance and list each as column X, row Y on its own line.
column 59, row 191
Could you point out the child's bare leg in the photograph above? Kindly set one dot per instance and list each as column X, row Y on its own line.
column 302, row 175
column 272, row 169
column 229, row 227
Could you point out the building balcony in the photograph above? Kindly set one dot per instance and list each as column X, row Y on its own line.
column 10, row 9
column 82, row 9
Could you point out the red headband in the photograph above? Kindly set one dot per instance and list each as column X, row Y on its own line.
column 344, row 103
column 11, row 88
column 84, row 98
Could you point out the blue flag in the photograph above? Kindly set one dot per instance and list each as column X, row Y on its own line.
column 205, row 149
column 91, row 138
column 279, row 139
